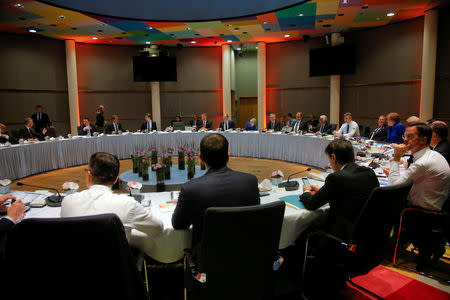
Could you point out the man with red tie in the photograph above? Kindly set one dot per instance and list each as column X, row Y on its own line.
column 206, row 124
column 27, row 132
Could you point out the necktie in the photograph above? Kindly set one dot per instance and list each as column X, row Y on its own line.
column 226, row 125
column 204, row 124
column 148, row 126
column 39, row 117
column 348, row 127
column 31, row 134
column 273, row 125
column 88, row 132
column 115, row 127
column 410, row 160
column 296, row 127
column 321, row 128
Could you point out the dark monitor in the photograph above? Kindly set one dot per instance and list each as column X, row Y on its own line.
column 178, row 126
column 336, row 60
column 160, row 68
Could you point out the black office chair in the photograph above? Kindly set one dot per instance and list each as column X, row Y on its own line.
column 371, row 233
column 333, row 127
column 429, row 231
column 71, row 258
column 238, row 250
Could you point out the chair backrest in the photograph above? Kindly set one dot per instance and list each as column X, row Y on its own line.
column 333, row 127
column 82, row 257
column 238, row 249
column 374, row 225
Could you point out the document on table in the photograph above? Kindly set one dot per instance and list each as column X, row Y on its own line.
column 28, row 197
column 293, row 201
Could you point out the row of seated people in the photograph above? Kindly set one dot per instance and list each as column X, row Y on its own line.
column 429, row 171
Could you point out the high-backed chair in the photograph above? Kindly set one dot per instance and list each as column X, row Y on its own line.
column 71, row 258
column 333, row 127
column 239, row 247
column 371, row 233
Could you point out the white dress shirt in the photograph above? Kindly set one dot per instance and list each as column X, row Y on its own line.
column 99, row 199
column 353, row 129
column 431, row 175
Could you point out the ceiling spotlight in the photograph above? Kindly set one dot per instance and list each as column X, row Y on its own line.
column 95, row 38
column 264, row 22
column 229, row 41
column 256, row 47
column 300, row 15
column 229, row 25
column 148, row 43
column 287, row 35
column 188, row 28
column 345, row 1
column 32, row 30
column 62, row 16
column 150, row 27
column 193, row 42
column 239, row 48
column 391, row 14
column 19, row 5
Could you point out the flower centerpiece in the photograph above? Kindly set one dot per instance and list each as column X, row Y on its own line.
column 153, row 154
column 5, row 186
column 145, row 164
column 70, row 187
column 190, row 163
column 166, row 160
column 135, row 159
column 21, row 141
column 159, row 169
column 170, row 151
column 69, row 136
column 135, row 187
column 277, row 177
column 181, row 157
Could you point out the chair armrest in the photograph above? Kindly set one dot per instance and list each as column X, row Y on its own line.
column 421, row 209
column 346, row 244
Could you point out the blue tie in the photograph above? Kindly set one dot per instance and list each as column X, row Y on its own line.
column 88, row 132
column 348, row 127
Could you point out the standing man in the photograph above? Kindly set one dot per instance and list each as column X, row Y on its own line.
column 149, row 125
column 379, row 134
column 219, row 187
column 205, row 123
column 273, row 123
column 349, row 129
column 115, row 127
column 41, row 119
column 299, row 124
column 226, row 123
column 86, row 128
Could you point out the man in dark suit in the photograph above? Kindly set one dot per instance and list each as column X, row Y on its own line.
column 219, row 187
column 380, row 133
column 346, row 190
column 273, row 123
column 40, row 119
column 323, row 127
column 226, row 123
column 115, row 127
column 439, row 140
column 205, row 123
column 195, row 122
column 4, row 136
column 148, row 125
column 86, row 128
column 300, row 124
column 27, row 132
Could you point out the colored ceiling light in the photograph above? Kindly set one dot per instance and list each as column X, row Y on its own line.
column 32, row 30
column 391, row 14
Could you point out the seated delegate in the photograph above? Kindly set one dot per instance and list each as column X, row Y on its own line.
column 251, row 126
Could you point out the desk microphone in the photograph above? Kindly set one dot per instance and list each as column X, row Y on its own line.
column 53, row 200
column 292, row 185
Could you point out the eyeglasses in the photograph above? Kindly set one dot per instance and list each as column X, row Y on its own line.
column 409, row 136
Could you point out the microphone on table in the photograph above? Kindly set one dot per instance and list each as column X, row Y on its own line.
column 292, row 185
column 53, row 200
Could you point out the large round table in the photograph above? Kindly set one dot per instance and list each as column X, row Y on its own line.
column 18, row 161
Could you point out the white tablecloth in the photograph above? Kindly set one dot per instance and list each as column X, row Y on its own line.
column 168, row 246
column 20, row 161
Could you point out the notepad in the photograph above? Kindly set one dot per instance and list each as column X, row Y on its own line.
column 293, row 200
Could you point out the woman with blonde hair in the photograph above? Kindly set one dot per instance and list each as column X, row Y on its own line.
column 251, row 125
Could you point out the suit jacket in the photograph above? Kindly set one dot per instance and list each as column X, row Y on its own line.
column 5, row 225
column 217, row 188
column 110, row 128
column 208, row 124
column 347, row 191
column 197, row 123
column 144, row 125
column 277, row 126
column 44, row 122
column 313, row 123
column 4, row 139
column 302, row 126
column 230, row 125
column 326, row 128
column 395, row 133
column 443, row 148
column 25, row 134
column 379, row 134
column 99, row 120
column 84, row 132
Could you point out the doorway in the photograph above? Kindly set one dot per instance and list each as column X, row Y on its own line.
column 248, row 108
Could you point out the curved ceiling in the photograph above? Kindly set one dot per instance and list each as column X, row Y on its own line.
column 175, row 10
column 313, row 18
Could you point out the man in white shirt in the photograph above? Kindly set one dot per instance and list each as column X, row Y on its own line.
column 349, row 129
column 431, row 175
column 102, row 173
column 428, row 169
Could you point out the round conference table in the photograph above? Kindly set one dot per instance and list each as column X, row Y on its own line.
column 18, row 161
